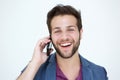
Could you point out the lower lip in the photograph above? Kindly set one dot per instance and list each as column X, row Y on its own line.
column 66, row 47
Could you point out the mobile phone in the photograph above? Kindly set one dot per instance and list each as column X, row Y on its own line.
column 49, row 47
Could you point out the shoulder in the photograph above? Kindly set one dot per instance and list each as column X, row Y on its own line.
column 51, row 59
column 45, row 68
column 96, row 70
column 90, row 64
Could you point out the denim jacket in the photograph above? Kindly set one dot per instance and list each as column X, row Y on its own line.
column 90, row 71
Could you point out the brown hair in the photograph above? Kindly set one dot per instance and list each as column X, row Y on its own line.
column 63, row 10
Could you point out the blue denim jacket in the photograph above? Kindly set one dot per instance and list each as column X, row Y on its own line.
column 90, row 71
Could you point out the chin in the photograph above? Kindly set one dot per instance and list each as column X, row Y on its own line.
column 66, row 55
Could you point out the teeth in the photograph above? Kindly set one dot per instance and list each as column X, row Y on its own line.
column 66, row 44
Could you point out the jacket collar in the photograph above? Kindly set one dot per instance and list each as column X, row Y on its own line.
column 84, row 62
column 87, row 73
column 86, row 70
column 52, row 58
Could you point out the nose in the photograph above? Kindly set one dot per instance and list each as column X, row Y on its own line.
column 64, row 36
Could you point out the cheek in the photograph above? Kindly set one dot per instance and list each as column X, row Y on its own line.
column 76, row 37
column 54, row 38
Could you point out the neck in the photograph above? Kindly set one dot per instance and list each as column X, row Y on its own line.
column 72, row 62
column 70, row 67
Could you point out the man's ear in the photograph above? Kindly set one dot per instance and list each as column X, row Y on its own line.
column 81, row 31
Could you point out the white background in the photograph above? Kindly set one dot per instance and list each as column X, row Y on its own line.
column 23, row 23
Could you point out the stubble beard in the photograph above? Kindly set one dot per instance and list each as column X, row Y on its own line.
column 73, row 51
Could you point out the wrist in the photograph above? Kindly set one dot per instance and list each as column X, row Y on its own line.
column 35, row 62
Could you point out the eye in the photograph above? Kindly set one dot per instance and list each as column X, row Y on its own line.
column 71, row 29
column 57, row 31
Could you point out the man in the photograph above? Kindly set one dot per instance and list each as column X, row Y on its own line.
column 65, row 28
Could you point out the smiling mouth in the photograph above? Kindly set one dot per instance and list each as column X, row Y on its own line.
column 65, row 44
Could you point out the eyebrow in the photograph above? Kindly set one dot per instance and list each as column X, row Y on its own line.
column 66, row 26
column 70, row 26
column 56, row 28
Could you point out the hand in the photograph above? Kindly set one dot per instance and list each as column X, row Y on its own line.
column 39, row 56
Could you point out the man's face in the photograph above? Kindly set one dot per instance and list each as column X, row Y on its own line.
column 65, row 35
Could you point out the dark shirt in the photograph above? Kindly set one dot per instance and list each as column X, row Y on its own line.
column 60, row 75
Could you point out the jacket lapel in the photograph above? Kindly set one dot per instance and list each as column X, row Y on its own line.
column 86, row 71
column 51, row 69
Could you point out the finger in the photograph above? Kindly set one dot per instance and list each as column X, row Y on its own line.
column 42, row 43
column 44, row 40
